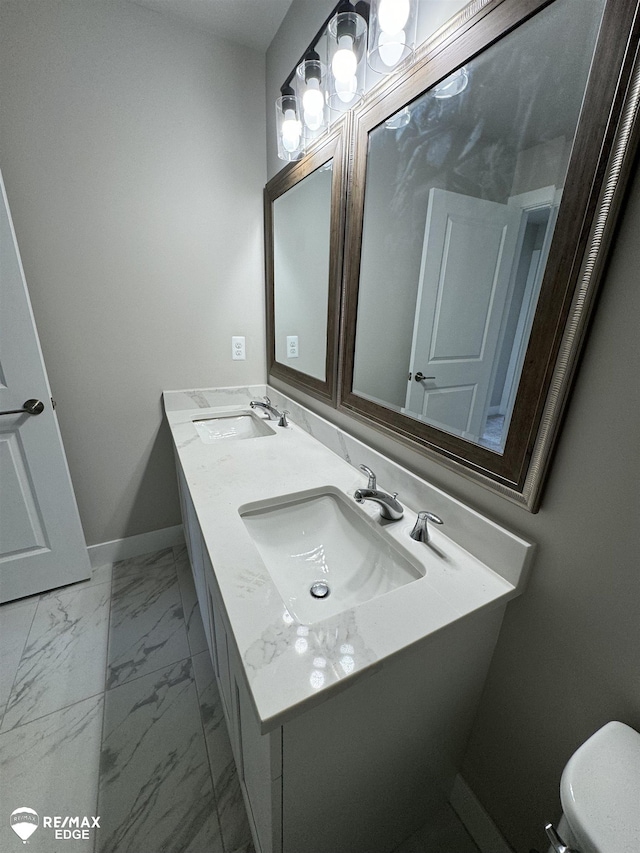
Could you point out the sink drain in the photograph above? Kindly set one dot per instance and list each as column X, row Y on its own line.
column 320, row 589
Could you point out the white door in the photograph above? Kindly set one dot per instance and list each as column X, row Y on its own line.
column 41, row 541
column 466, row 266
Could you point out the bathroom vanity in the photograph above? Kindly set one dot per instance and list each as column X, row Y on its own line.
column 348, row 712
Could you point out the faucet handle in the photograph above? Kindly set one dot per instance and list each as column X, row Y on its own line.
column 267, row 400
column 420, row 530
column 372, row 477
column 283, row 422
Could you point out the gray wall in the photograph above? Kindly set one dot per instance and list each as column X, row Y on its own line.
column 567, row 659
column 133, row 152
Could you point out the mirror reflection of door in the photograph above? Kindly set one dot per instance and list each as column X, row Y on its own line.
column 479, row 280
column 457, row 209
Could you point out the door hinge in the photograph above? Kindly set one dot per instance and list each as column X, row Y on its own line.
column 53, row 402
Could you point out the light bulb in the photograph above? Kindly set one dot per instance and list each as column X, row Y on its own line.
column 344, row 63
column 346, row 89
column 391, row 47
column 313, row 120
column 312, row 100
column 291, row 131
column 393, row 15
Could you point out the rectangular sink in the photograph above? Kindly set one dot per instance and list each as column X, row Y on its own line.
column 321, row 538
column 232, row 426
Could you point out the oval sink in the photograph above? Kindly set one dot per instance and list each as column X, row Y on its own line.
column 322, row 538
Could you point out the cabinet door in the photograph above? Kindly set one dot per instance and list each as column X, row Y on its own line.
column 260, row 768
column 220, row 654
column 196, row 550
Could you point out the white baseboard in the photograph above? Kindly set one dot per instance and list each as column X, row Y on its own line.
column 135, row 546
column 477, row 822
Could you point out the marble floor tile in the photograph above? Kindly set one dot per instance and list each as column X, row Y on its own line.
column 15, row 623
column 143, row 563
column 99, row 575
column 155, row 784
column 147, row 629
column 190, row 606
column 51, row 766
column 234, row 823
column 63, row 660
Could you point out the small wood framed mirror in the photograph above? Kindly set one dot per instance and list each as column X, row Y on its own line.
column 304, row 209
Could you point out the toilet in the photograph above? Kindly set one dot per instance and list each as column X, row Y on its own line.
column 600, row 795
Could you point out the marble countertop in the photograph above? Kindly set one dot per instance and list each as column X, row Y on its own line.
column 291, row 666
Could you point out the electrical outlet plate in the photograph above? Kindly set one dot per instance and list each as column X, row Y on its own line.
column 292, row 346
column 238, row 348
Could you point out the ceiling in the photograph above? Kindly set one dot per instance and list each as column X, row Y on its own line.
column 253, row 23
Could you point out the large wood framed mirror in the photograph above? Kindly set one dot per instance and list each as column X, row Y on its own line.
column 484, row 187
column 304, row 207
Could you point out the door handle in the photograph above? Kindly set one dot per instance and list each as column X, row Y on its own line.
column 420, row 376
column 30, row 407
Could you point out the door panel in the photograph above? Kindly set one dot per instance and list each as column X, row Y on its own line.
column 21, row 528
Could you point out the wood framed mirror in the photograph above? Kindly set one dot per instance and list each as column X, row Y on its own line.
column 483, row 192
column 304, row 209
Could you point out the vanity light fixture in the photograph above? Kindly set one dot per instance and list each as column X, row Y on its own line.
column 392, row 33
column 314, row 87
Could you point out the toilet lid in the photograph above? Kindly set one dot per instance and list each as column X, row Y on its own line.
column 600, row 791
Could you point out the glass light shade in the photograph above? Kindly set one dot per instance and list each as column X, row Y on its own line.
column 311, row 82
column 347, row 39
column 289, row 128
column 392, row 33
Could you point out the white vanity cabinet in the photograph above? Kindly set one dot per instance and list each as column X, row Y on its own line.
column 362, row 770
column 348, row 730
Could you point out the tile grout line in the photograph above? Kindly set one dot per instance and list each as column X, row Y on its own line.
column 15, row 674
column 206, row 746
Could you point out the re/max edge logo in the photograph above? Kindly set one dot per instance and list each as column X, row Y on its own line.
column 24, row 822
column 70, row 827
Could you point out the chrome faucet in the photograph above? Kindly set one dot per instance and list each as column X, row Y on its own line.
column 271, row 411
column 389, row 507
column 420, row 530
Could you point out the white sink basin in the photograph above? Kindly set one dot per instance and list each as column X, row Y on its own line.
column 321, row 537
column 232, row 426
